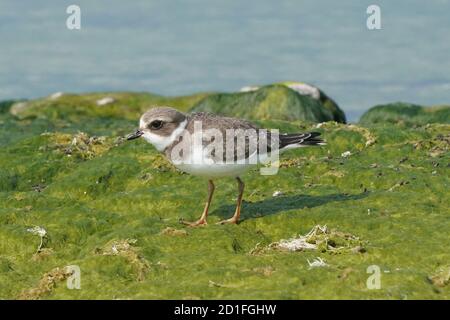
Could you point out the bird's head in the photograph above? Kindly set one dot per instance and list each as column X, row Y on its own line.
column 160, row 126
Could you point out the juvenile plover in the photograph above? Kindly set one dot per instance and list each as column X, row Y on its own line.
column 214, row 146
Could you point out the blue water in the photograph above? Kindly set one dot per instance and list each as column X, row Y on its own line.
column 181, row 47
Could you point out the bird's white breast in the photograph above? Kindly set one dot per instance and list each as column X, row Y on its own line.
column 214, row 170
column 201, row 164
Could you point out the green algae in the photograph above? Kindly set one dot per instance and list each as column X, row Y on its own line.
column 269, row 102
column 408, row 113
column 126, row 248
column 124, row 190
column 74, row 107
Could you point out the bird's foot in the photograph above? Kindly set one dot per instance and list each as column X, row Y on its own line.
column 231, row 220
column 199, row 222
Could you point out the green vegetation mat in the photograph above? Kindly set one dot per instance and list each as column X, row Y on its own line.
column 112, row 208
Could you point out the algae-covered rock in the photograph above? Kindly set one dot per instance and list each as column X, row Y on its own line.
column 5, row 105
column 13, row 106
column 77, row 107
column 407, row 113
column 316, row 93
column 283, row 101
column 294, row 101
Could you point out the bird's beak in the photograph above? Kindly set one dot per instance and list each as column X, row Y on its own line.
column 135, row 135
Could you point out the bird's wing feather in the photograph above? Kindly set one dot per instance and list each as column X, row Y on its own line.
column 246, row 140
column 247, row 132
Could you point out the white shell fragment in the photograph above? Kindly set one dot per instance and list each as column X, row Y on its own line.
column 346, row 154
column 105, row 101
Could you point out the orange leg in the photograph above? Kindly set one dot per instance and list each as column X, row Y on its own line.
column 202, row 220
column 237, row 213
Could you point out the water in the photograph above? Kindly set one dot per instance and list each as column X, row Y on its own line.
column 182, row 47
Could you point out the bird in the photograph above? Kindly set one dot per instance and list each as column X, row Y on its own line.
column 214, row 146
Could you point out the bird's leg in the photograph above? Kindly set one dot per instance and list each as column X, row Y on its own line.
column 237, row 213
column 202, row 220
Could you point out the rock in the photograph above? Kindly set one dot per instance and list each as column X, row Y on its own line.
column 81, row 107
column 18, row 108
column 249, row 88
column 106, row 100
column 346, row 154
column 407, row 113
column 56, row 95
column 316, row 93
column 5, row 105
column 306, row 89
column 288, row 101
column 277, row 193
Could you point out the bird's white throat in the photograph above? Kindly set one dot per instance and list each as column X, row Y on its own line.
column 162, row 142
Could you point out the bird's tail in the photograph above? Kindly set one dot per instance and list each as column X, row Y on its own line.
column 296, row 140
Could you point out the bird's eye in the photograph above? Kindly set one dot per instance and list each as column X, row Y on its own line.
column 157, row 124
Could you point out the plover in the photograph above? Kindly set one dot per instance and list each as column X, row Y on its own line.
column 214, row 146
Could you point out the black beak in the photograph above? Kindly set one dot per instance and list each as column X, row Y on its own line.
column 135, row 135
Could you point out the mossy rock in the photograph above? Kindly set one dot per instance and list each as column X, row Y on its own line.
column 315, row 92
column 407, row 113
column 5, row 105
column 277, row 101
column 77, row 107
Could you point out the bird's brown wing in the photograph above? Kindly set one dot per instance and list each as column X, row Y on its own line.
column 239, row 137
